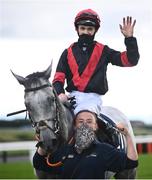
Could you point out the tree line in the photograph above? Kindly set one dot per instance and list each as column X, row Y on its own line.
column 17, row 123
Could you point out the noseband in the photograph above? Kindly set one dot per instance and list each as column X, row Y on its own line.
column 38, row 125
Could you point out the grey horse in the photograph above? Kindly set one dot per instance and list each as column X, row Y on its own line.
column 54, row 121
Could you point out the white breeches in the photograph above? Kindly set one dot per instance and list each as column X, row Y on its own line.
column 87, row 101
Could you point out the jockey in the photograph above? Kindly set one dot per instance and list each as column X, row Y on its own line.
column 84, row 63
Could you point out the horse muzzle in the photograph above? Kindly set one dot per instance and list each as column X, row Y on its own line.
column 47, row 136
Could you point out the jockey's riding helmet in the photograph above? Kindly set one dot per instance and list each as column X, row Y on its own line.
column 87, row 17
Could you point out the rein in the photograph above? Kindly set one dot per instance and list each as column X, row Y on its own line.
column 29, row 90
column 59, row 163
column 44, row 122
column 37, row 88
column 16, row 112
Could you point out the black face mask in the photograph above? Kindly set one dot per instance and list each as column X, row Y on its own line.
column 85, row 40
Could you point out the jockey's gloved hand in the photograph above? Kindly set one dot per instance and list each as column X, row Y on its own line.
column 110, row 130
column 113, row 134
column 72, row 101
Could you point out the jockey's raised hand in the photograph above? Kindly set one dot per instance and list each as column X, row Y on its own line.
column 127, row 28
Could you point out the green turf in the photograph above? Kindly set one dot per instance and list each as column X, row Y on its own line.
column 24, row 170
column 18, row 170
column 145, row 167
column 8, row 135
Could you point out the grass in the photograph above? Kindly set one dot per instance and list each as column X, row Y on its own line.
column 18, row 170
column 24, row 170
column 8, row 135
column 145, row 166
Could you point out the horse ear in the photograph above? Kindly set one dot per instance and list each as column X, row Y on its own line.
column 20, row 79
column 48, row 71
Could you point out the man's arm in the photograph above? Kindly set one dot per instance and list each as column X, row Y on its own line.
column 131, row 149
column 118, row 160
column 43, row 170
column 131, row 56
column 60, row 76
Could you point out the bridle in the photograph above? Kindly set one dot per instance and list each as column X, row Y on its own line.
column 37, row 88
column 44, row 123
column 56, row 128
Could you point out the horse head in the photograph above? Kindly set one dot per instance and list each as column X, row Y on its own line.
column 46, row 112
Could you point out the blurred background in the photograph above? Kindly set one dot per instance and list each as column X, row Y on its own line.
column 33, row 32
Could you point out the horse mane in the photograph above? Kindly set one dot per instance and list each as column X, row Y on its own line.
column 36, row 75
column 32, row 78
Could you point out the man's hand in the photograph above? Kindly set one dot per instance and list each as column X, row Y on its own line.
column 131, row 145
column 127, row 28
column 41, row 151
column 121, row 127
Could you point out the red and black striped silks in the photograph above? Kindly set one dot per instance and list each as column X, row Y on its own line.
column 81, row 81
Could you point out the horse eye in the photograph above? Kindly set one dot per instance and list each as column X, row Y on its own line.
column 28, row 107
column 26, row 104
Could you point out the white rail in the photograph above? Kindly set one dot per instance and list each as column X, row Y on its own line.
column 12, row 146
column 144, row 139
